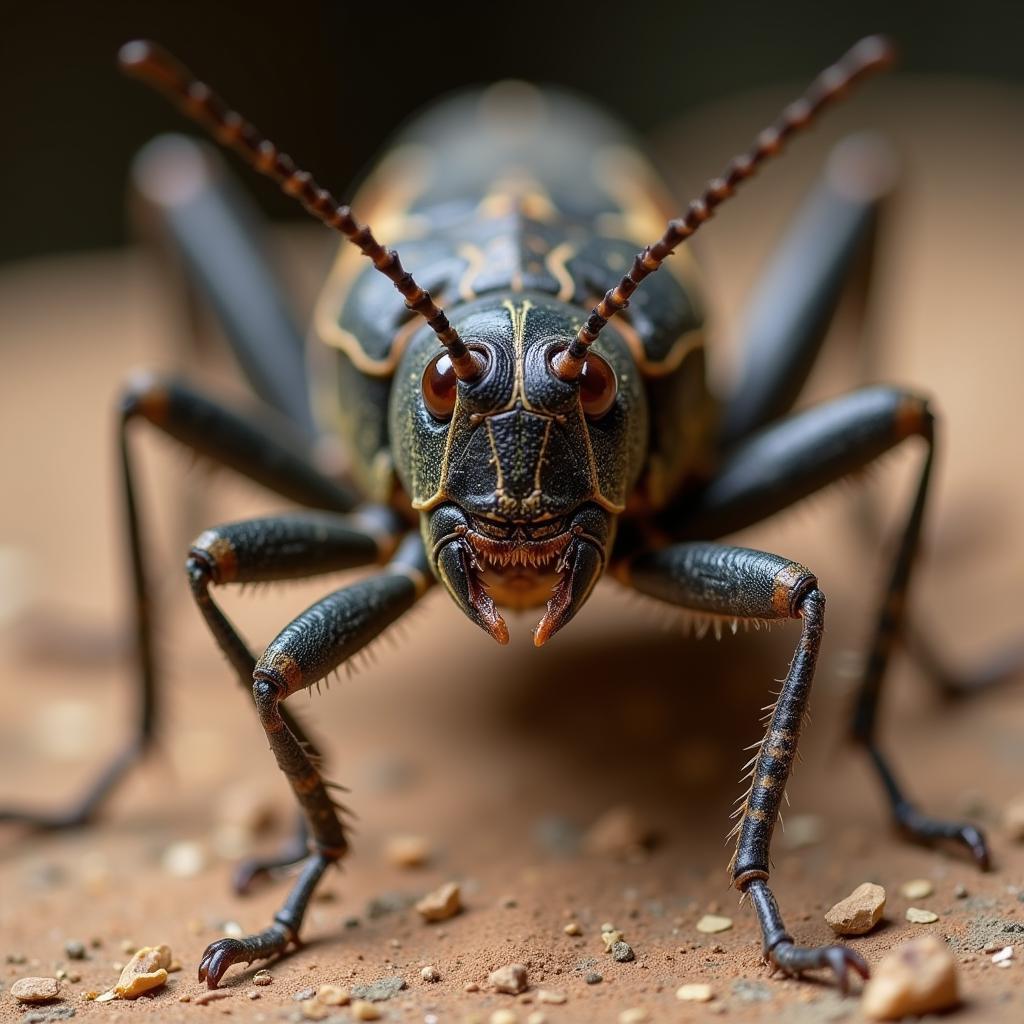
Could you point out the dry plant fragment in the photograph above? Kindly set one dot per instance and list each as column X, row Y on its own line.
column 146, row 971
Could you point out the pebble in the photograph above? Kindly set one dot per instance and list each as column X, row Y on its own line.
column 1013, row 819
column 50, row 1014
column 960, row 892
column 917, row 977
column 184, row 860
column 332, row 995
column 407, row 851
column 537, row 1017
column 593, row 978
column 859, row 912
column 915, row 915
column 211, row 996
column 511, row 979
column 303, row 994
column 711, row 924
column 619, row 832
column 1003, row 957
column 504, row 1017
column 381, row 990
column 263, row 977
column 35, row 990
column 572, row 928
column 430, row 973
column 917, row 889
column 313, row 1009
column 362, row 1010
column 74, row 949
column 695, row 992
column 471, row 986
column 634, row 1015
column 146, row 971
column 441, row 904
column 555, row 998
column 622, row 952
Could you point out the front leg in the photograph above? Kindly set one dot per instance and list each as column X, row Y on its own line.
column 305, row 652
column 738, row 583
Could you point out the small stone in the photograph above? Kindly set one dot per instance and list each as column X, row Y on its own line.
column 917, row 889
column 332, row 995
column 252, row 994
column 695, row 992
column 430, row 973
column 146, row 971
column 380, row 990
column 35, row 990
column 572, row 928
column 362, row 1010
column 52, row 1013
column 1013, row 819
column 619, row 832
column 211, row 996
column 511, row 979
column 634, row 1015
column 593, row 978
column 263, row 977
column 440, row 904
column 303, row 994
column 960, row 892
column 915, row 915
column 504, row 1017
column 917, row 977
column 711, row 924
column 313, row 1009
column 551, row 996
column 1003, row 957
column 407, row 851
column 622, row 952
column 471, row 986
column 859, row 912
column 183, row 860
column 537, row 1017
column 127, row 946
column 74, row 949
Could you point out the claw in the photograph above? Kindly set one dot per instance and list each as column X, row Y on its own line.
column 974, row 839
column 219, row 956
column 841, row 960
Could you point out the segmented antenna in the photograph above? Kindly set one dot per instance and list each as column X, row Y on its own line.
column 157, row 68
column 869, row 55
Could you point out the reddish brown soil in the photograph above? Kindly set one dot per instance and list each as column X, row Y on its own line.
column 493, row 754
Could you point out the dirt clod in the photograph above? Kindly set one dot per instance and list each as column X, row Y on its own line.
column 859, row 912
column 511, row 979
column 35, row 990
column 917, row 977
column 441, row 904
column 917, row 889
column 915, row 915
column 711, row 924
column 695, row 992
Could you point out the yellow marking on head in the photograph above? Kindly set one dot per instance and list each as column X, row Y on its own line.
column 556, row 261
column 475, row 261
column 518, row 317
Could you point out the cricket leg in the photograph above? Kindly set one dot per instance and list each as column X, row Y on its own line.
column 738, row 583
column 305, row 652
column 204, row 222
column 267, row 550
column 790, row 460
column 244, row 444
column 829, row 248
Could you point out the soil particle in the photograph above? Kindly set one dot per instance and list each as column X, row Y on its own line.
column 917, row 889
column 441, row 904
column 510, row 979
column 381, row 990
column 695, row 992
column 917, row 977
column 35, row 990
column 859, row 912
column 711, row 924
column 915, row 915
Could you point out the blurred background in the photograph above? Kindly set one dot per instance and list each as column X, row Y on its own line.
column 618, row 709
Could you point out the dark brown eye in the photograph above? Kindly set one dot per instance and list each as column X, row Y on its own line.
column 597, row 386
column 439, row 387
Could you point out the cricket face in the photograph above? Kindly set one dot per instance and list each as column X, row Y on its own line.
column 519, row 476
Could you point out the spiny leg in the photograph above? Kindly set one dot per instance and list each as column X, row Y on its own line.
column 829, row 248
column 740, row 583
column 272, row 549
column 242, row 443
column 791, row 459
column 194, row 212
column 305, row 652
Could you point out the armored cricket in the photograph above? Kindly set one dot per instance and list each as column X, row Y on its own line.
column 552, row 424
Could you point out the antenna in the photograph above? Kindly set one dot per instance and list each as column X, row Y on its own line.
column 869, row 55
column 196, row 100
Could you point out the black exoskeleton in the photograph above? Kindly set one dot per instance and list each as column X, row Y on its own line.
column 516, row 448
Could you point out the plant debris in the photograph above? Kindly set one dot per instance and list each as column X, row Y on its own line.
column 145, row 971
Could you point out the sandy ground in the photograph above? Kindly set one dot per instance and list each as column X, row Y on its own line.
column 503, row 758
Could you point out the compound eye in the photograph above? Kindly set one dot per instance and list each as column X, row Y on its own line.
column 598, row 386
column 439, row 387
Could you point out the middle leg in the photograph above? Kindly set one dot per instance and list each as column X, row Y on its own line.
column 738, row 583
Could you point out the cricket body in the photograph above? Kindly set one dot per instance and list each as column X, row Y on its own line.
column 549, row 425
